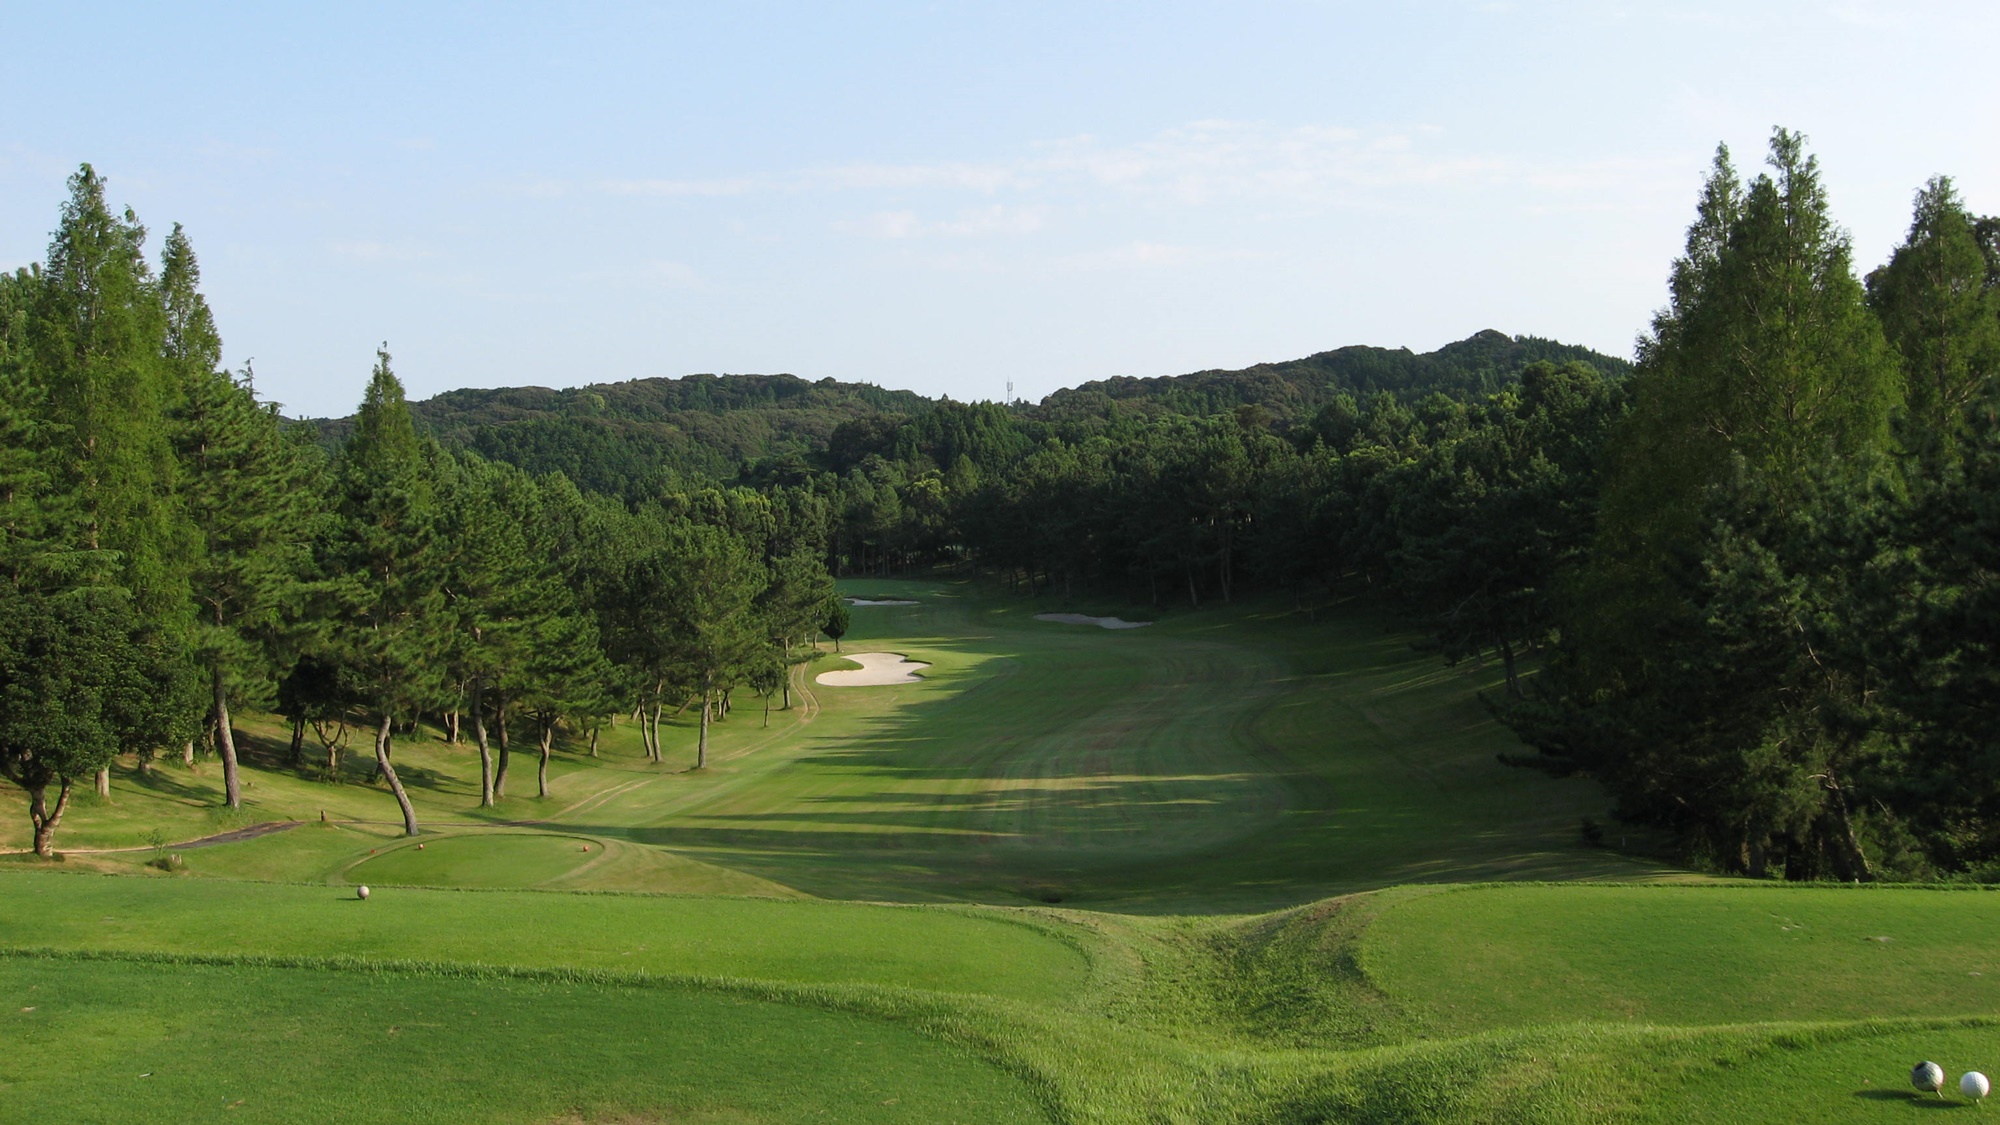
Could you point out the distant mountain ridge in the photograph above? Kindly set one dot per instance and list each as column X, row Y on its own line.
column 1477, row 365
column 618, row 437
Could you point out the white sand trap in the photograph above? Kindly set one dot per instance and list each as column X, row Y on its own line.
column 877, row 670
column 1100, row 622
column 883, row 601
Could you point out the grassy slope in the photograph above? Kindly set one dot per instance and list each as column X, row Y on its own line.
column 1484, row 958
column 1216, row 764
column 996, row 953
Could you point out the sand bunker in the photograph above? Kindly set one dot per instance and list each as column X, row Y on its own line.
column 883, row 601
column 1100, row 622
column 877, row 669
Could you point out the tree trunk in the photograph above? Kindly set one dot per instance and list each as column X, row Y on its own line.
column 500, row 771
column 104, row 783
column 187, row 754
column 788, row 692
column 701, row 744
column 593, row 742
column 382, row 766
column 767, row 710
column 44, row 820
column 1757, row 860
column 225, row 740
column 298, row 741
column 1507, row 659
column 1194, row 598
column 1222, row 571
column 659, row 753
column 486, row 793
column 1848, row 858
column 451, row 719
column 542, row 769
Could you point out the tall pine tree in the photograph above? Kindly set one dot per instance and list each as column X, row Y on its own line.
column 244, row 496
column 383, row 597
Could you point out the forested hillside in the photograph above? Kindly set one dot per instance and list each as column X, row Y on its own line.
column 642, row 434
column 1480, row 364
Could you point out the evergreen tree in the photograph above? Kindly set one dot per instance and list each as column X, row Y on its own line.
column 95, row 342
column 794, row 605
column 713, row 633
column 1685, row 679
column 98, row 337
column 383, row 598
column 838, row 618
column 244, row 495
column 1940, row 307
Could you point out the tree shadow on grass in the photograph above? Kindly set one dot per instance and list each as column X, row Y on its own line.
column 1016, row 778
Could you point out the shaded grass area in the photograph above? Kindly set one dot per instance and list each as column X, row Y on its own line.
column 944, row 949
column 107, row 1041
column 1227, row 760
column 1230, row 760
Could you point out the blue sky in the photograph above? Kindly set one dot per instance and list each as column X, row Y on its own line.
column 947, row 197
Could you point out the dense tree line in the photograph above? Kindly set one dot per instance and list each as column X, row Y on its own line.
column 1779, row 644
column 172, row 550
column 1753, row 580
column 1460, row 508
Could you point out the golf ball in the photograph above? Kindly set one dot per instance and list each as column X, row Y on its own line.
column 1927, row 1076
column 361, row 892
column 1974, row 1084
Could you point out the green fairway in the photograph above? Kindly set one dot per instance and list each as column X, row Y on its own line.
column 940, row 949
column 97, row 1041
column 497, row 860
column 1856, row 1076
column 1070, row 874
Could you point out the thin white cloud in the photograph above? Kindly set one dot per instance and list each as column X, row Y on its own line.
column 680, row 188
column 1195, row 164
column 997, row 220
column 1134, row 255
column 372, row 250
column 984, row 178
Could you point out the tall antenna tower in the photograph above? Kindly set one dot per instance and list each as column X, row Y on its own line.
column 1010, row 390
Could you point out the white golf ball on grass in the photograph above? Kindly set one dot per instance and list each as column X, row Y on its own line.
column 361, row 892
column 1974, row 1085
column 1927, row 1076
